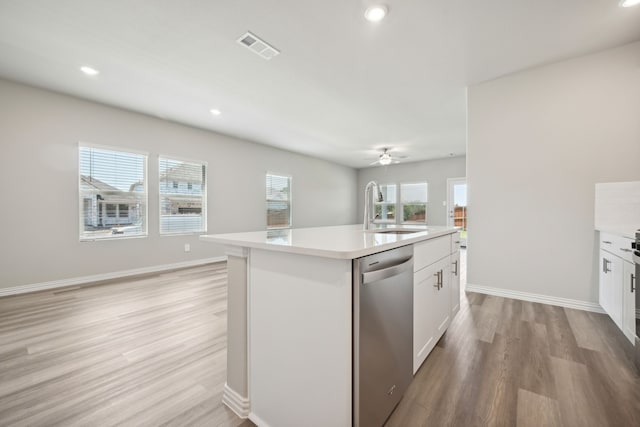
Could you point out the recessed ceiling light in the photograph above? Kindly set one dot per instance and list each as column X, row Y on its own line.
column 215, row 112
column 376, row 13
column 89, row 71
column 629, row 3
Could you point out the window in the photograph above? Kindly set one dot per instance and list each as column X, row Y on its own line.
column 414, row 202
column 182, row 206
column 112, row 210
column 113, row 193
column 123, row 211
column 278, row 201
column 386, row 210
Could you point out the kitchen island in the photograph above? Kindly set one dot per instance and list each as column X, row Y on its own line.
column 290, row 315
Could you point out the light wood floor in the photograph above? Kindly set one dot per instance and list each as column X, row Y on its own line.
column 506, row 362
column 137, row 352
column 152, row 351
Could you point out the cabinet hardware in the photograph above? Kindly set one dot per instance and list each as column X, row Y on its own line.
column 441, row 279
column 605, row 265
column 456, row 264
column 633, row 281
column 606, row 242
column 625, row 250
column 438, row 280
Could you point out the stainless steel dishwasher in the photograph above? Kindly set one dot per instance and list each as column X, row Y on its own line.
column 382, row 333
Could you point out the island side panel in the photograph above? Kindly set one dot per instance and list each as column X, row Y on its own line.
column 300, row 340
column 236, row 389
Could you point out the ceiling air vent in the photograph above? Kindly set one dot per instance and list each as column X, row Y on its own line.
column 257, row 46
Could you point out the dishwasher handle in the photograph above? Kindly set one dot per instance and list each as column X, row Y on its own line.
column 385, row 273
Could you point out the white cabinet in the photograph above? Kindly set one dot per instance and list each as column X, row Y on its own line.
column 629, row 284
column 611, row 286
column 425, row 296
column 455, row 274
column 436, row 284
column 617, row 282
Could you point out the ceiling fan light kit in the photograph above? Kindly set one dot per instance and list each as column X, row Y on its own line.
column 385, row 159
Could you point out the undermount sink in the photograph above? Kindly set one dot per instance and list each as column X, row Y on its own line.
column 394, row 231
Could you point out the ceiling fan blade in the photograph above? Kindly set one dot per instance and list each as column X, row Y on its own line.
column 376, row 162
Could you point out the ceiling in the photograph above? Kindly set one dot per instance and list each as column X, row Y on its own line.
column 341, row 87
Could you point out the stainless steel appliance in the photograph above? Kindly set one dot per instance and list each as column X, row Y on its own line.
column 382, row 334
column 634, row 285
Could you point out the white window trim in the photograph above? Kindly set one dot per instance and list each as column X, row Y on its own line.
column 82, row 144
column 399, row 205
column 204, row 196
column 290, row 177
column 388, row 221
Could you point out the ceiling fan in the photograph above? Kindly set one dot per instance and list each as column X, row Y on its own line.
column 386, row 159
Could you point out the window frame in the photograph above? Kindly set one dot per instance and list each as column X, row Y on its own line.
column 81, row 200
column 290, row 200
column 395, row 205
column 399, row 204
column 205, row 222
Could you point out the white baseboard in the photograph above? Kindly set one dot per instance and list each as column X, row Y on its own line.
column 234, row 401
column 544, row 299
column 23, row 289
column 257, row 421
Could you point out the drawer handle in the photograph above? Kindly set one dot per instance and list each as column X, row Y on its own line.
column 633, row 282
column 605, row 265
column 625, row 250
column 456, row 264
column 606, row 242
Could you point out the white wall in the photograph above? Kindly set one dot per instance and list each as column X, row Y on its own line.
column 434, row 172
column 39, row 133
column 538, row 141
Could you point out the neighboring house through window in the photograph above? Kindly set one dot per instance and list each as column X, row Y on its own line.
column 113, row 193
column 278, row 201
column 182, row 196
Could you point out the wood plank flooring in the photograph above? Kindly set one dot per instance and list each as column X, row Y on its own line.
column 151, row 351
column 506, row 362
column 146, row 351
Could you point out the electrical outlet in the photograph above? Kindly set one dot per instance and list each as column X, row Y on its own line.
column 187, row 247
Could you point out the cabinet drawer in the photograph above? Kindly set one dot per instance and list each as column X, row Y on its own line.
column 430, row 251
column 617, row 245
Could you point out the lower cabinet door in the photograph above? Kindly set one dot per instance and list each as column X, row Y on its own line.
column 425, row 294
column 455, row 283
column 442, row 307
column 611, row 278
column 431, row 308
column 629, row 285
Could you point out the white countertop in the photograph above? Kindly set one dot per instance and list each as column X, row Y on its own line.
column 628, row 231
column 342, row 242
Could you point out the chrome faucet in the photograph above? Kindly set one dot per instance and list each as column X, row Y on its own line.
column 367, row 202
